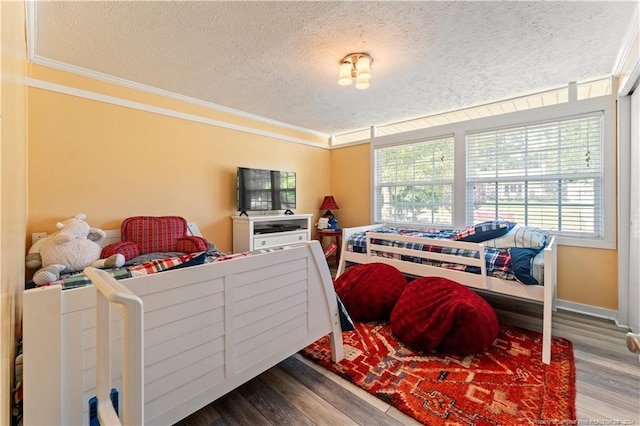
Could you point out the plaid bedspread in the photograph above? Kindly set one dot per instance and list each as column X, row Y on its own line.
column 79, row 279
column 498, row 261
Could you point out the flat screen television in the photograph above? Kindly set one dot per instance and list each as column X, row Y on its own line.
column 262, row 190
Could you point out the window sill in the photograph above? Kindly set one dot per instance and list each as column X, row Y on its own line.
column 586, row 242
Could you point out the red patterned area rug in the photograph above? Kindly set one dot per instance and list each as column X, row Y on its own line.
column 505, row 385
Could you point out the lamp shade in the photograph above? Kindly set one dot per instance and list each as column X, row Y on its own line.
column 362, row 83
column 363, row 67
column 345, row 74
column 329, row 203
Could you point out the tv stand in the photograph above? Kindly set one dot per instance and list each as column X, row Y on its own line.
column 289, row 212
column 260, row 232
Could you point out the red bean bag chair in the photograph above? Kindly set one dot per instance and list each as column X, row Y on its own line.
column 369, row 291
column 435, row 313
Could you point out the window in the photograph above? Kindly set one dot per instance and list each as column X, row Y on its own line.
column 413, row 183
column 553, row 167
column 548, row 175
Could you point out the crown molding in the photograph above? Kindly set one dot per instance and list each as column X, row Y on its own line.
column 167, row 94
column 631, row 82
column 627, row 43
column 59, row 88
column 348, row 144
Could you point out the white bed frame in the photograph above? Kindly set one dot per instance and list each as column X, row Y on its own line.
column 547, row 293
column 207, row 330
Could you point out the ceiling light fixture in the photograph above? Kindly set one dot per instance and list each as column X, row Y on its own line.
column 358, row 66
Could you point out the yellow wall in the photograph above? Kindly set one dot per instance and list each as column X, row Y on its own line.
column 13, row 208
column 351, row 184
column 587, row 276
column 111, row 161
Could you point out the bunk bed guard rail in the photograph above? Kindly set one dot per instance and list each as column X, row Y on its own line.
column 109, row 291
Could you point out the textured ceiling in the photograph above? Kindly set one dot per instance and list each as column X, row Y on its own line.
column 280, row 60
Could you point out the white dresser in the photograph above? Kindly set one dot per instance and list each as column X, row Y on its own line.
column 258, row 232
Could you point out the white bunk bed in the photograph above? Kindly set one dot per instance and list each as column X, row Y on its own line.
column 546, row 294
column 207, row 330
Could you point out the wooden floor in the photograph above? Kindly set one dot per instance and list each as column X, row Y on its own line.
column 298, row 392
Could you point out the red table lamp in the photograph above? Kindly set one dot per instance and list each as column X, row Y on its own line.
column 329, row 203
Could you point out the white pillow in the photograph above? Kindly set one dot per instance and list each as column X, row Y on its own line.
column 520, row 236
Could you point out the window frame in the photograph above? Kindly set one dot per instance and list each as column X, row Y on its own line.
column 606, row 104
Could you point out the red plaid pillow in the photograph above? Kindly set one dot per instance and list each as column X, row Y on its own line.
column 153, row 233
column 126, row 248
column 191, row 244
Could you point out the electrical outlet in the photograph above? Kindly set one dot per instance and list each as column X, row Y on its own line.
column 38, row 236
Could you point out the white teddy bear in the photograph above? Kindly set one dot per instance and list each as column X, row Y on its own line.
column 72, row 248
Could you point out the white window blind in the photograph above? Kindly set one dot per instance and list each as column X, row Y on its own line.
column 413, row 183
column 548, row 175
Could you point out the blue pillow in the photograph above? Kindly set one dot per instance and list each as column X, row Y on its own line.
column 521, row 262
column 484, row 231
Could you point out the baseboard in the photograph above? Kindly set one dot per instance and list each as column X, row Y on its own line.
column 594, row 311
column 579, row 308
